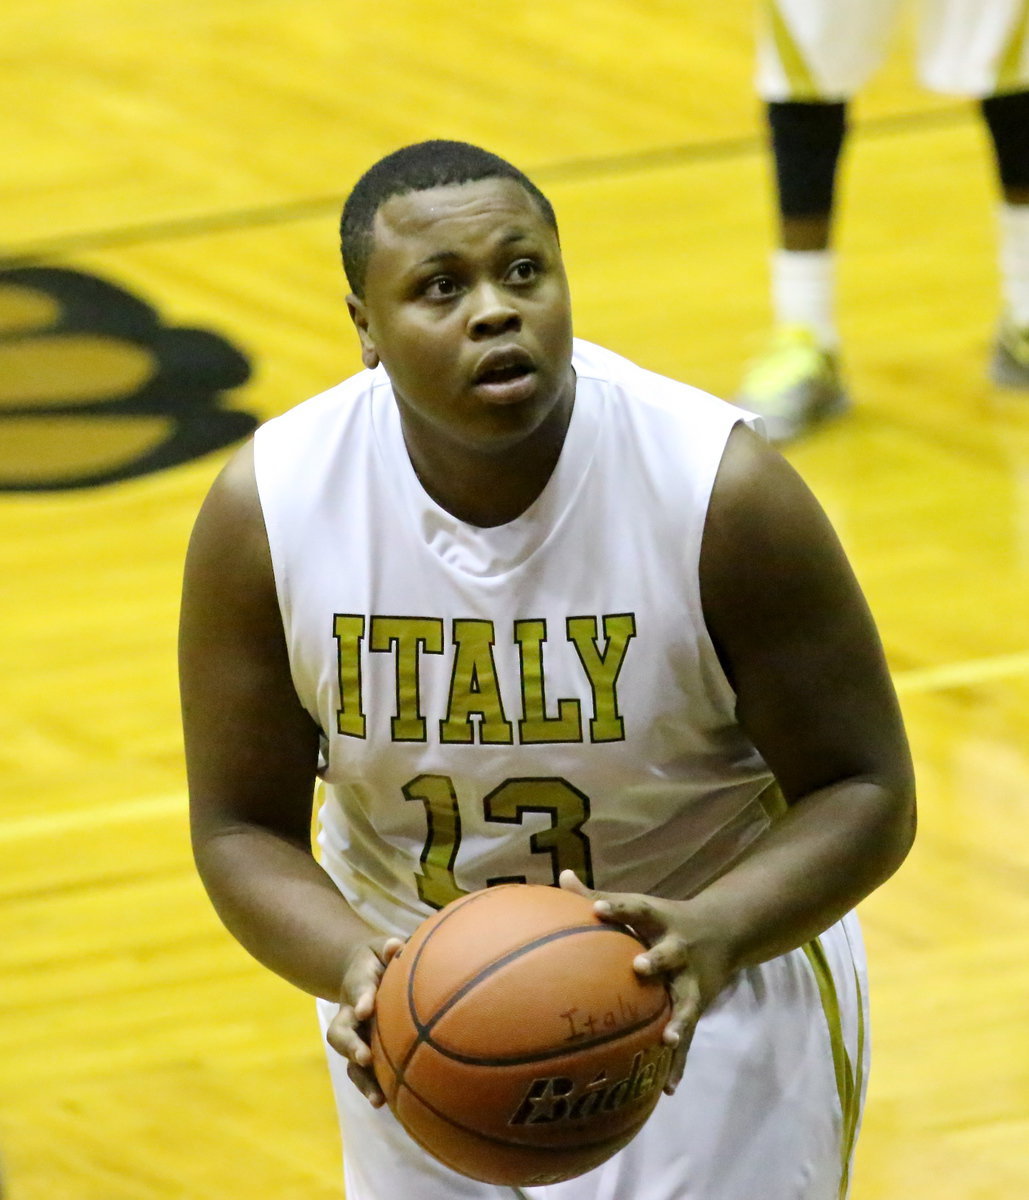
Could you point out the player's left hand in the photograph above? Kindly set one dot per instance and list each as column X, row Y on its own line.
column 696, row 968
column 348, row 1032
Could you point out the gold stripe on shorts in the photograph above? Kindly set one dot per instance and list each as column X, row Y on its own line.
column 849, row 1083
column 798, row 73
column 1010, row 76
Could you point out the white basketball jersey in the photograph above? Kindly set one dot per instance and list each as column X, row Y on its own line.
column 503, row 703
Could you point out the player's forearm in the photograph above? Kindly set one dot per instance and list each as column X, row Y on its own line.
column 276, row 900
column 827, row 853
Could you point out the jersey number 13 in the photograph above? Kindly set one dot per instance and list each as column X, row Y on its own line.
column 564, row 840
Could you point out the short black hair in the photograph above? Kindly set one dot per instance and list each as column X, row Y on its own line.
column 417, row 168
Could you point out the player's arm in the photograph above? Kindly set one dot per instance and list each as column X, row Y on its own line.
column 814, row 694
column 251, row 756
column 798, row 644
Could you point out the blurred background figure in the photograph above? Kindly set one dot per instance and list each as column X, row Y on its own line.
column 813, row 56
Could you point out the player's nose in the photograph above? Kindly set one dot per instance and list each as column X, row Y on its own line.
column 491, row 312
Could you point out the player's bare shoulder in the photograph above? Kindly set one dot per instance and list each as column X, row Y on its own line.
column 771, row 565
column 763, row 522
column 228, row 560
column 233, row 497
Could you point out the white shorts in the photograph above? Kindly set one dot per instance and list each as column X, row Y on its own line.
column 769, row 1105
column 828, row 49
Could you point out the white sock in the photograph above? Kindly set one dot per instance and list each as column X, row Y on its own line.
column 804, row 292
column 1014, row 261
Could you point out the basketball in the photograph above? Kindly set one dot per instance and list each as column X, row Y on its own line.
column 513, row 1040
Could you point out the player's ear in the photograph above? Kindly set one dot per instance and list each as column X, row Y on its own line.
column 359, row 315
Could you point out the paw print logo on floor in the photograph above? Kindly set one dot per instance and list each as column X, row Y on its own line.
column 95, row 387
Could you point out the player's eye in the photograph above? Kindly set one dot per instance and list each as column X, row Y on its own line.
column 441, row 287
column 525, row 270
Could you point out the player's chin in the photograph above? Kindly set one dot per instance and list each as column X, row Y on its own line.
column 497, row 430
column 540, row 404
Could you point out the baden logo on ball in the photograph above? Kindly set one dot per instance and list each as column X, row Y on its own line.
column 514, row 1041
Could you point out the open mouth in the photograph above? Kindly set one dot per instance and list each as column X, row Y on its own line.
column 504, row 374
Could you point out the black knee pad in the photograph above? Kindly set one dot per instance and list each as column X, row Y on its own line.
column 807, row 140
column 1008, row 119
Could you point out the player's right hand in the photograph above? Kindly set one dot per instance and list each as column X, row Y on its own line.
column 692, row 961
column 348, row 1030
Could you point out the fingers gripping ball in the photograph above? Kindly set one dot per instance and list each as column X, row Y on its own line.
column 514, row 1041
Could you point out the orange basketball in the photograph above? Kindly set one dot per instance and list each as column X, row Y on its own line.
column 514, row 1041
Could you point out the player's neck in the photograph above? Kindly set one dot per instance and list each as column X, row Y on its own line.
column 489, row 487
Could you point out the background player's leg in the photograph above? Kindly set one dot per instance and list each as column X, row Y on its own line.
column 1007, row 118
column 812, row 56
column 968, row 48
column 797, row 382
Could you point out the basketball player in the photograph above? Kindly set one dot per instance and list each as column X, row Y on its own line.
column 813, row 56
column 533, row 612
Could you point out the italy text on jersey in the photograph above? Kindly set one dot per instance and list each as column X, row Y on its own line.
column 474, row 682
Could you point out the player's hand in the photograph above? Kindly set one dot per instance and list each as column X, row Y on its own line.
column 696, row 970
column 348, row 1031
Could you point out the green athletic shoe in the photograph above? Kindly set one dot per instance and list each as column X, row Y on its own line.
column 794, row 386
column 1010, row 366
